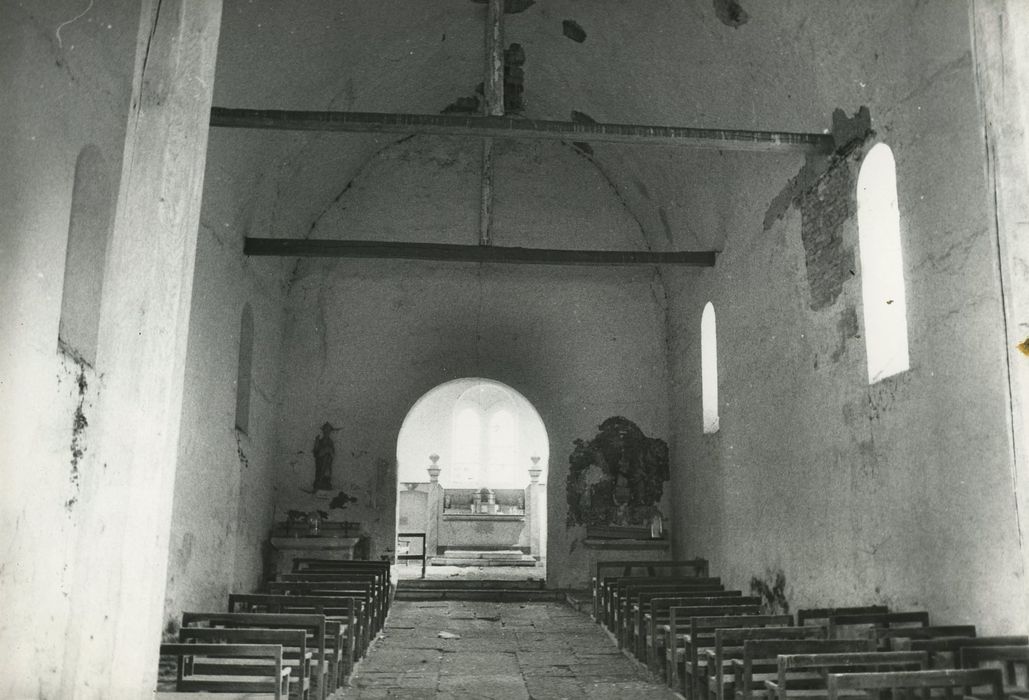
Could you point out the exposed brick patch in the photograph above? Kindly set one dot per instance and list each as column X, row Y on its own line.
column 824, row 210
column 512, row 7
column 514, row 87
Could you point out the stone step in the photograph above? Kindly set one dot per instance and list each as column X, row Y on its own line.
column 515, row 554
column 471, row 584
column 498, row 595
column 480, row 561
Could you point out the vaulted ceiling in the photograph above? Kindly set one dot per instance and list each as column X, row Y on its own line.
column 666, row 62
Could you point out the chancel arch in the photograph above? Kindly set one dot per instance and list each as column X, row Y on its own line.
column 472, row 460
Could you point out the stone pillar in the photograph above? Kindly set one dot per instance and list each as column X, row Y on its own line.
column 433, row 508
column 533, row 509
column 118, row 595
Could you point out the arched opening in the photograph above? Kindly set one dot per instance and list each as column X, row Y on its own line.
column 472, row 459
column 89, row 227
column 882, row 266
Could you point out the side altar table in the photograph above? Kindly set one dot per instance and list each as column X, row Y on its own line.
column 286, row 549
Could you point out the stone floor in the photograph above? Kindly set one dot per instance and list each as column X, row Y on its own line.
column 499, row 651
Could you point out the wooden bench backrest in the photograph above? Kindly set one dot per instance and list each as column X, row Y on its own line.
column 1009, row 657
column 822, row 615
column 276, row 683
column 336, row 606
column 766, row 651
column 946, row 679
column 739, row 605
column 310, row 564
column 886, row 637
column 689, row 567
column 888, row 619
column 862, row 661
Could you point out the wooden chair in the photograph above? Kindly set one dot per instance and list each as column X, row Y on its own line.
column 1010, row 659
column 326, row 639
column 295, row 654
column 759, row 661
column 230, row 680
column 945, row 680
column 729, row 646
column 793, row 680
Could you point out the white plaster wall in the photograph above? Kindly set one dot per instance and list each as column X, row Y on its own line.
column 365, row 339
column 900, row 492
column 60, row 96
column 224, row 488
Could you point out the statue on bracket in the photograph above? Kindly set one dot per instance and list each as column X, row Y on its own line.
column 324, row 452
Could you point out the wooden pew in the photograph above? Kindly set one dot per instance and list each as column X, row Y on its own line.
column 625, row 594
column 729, row 646
column 644, row 623
column 341, row 609
column 274, row 685
column 820, row 616
column 946, row 680
column 363, row 589
column 1009, row 658
column 899, row 638
column 326, row 638
column 683, row 567
column 384, row 589
column 295, row 654
column 796, row 667
column 613, row 587
column 945, row 652
column 838, row 624
column 677, row 629
column 759, row 660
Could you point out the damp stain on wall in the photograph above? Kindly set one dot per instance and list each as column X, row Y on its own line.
column 771, row 588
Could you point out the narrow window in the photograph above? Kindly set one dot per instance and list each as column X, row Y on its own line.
column 502, row 441
column 246, row 354
column 882, row 266
column 709, row 369
column 89, row 226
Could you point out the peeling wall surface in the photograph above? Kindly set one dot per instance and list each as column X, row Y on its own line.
column 856, row 493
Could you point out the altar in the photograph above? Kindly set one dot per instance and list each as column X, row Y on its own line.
column 286, row 549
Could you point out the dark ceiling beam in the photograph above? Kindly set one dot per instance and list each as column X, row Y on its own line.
column 324, row 248
column 511, row 128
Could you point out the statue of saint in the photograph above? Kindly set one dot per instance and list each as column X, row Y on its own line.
column 324, row 451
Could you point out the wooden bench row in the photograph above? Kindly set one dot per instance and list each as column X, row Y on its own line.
column 712, row 643
column 320, row 618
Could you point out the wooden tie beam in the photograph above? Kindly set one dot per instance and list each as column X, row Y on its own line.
column 327, row 248
column 512, row 128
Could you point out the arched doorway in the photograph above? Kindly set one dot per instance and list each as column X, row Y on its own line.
column 472, row 462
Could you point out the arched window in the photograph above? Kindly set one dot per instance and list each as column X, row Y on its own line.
column 503, row 440
column 467, row 439
column 89, row 228
column 243, row 373
column 709, row 369
column 882, row 266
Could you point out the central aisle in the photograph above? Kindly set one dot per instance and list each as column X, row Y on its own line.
column 504, row 651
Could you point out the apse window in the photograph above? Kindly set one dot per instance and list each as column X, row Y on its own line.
column 709, row 369
column 882, row 266
column 243, row 369
column 89, row 227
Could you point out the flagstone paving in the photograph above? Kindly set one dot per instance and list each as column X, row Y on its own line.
column 503, row 651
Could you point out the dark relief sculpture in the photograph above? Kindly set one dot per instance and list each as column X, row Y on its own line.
column 324, row 451
column 617, row 477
